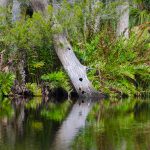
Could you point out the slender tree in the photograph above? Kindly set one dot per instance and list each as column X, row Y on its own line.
column 16, row 15
column 16, row 10
column 3, row 3
column 123, row 20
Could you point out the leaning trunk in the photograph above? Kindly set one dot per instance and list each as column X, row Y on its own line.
column 123, row 21
column 75, row 70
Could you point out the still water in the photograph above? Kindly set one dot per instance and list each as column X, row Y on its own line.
column 74, row 125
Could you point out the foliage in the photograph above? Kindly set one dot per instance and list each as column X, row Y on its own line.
column 34, row 103
column 34, row 88
column 138, row 16
column 6, row 82
column 111, row 123
column 56, row 112
column 57, row 80
column 119, row 65
column 6, row 109
column 31, row 38
column 78, row 20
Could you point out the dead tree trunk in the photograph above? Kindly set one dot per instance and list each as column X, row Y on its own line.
column 1, row 59
column 3, row 3
column 75, row 70
column 97, row 17
column 16, row 11
column 123, row 21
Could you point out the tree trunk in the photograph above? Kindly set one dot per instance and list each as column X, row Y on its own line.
column 75, row 70
column 123, row 21
column 16, row 11
column 1, row 59
column 97, row 17
column 16, row 15
column 3, row 3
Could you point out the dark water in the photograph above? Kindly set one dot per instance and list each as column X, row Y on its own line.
column 67, row 125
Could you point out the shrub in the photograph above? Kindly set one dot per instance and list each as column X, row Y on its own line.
column 119, row 65
column 6, row 82
column 57, row 80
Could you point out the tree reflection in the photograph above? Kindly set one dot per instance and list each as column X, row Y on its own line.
column 121, row 125
column 72, row 124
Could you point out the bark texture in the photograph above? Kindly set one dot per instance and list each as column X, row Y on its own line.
column 3, row 3
column 16, row 14
column 16, row 11
column 97, row 17
column 123, row 21
column 75, row 70
column 1, row 59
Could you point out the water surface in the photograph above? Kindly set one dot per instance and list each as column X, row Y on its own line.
column 74, row 125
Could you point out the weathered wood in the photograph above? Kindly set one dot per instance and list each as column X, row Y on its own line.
column 123, row 21
column 3, row 3
column 1, row 59
column 16, row 10
column 75, row 70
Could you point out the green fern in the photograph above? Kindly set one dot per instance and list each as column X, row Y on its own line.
column 56, row 80
column 6, row 82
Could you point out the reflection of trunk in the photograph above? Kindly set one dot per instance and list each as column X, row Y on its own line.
column 71, row 126
column 123, row 21
column 75, row 70
column 19, row 117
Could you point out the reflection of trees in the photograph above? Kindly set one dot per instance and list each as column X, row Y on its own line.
column 21, row 123
column 72, row 124
column 56, row 112
column 121, row 125
column 109, row 125
column 11, row 122
column 142, row 111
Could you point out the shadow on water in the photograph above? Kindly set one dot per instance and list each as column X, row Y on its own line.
column 84, row 124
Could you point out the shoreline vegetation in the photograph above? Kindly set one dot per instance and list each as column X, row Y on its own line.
column 116, row 64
